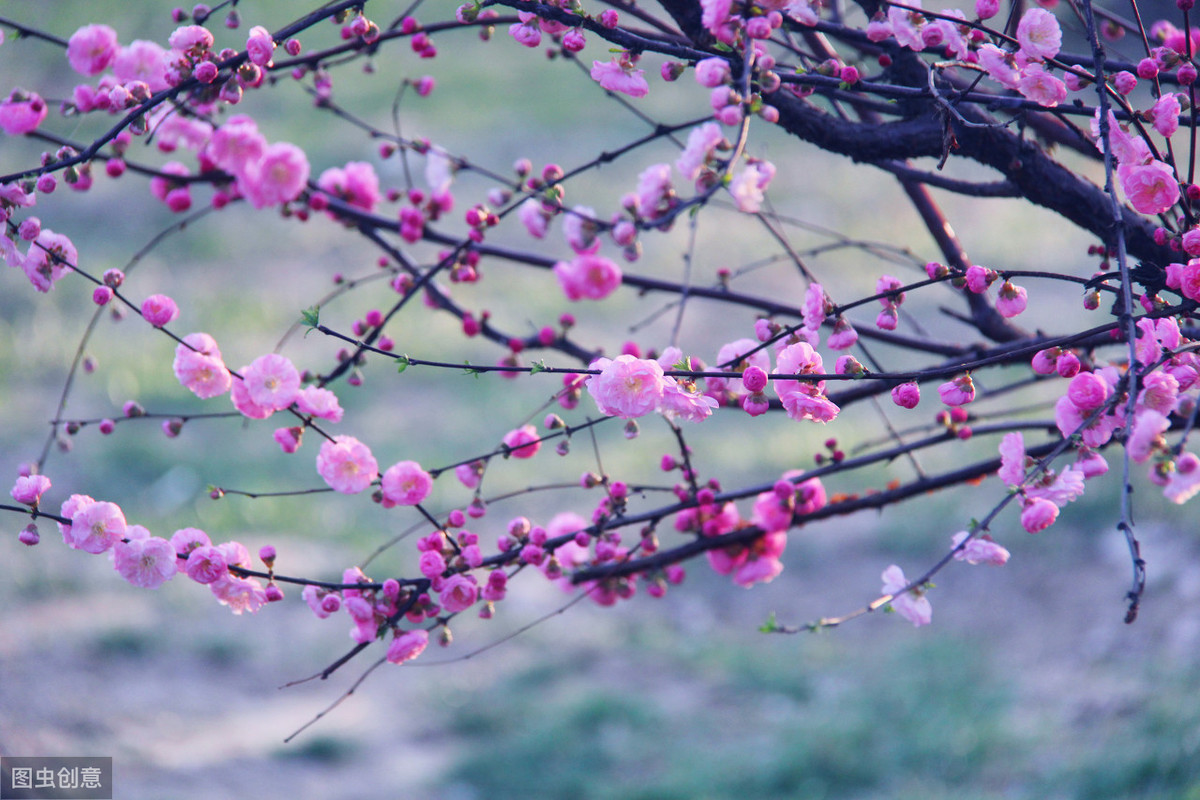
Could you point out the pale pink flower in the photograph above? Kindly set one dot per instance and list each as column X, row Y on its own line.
column 279, row 177
column 1146, row 436
column 813, row 309
column 29, row 489
column 407, row 646
column 1012, row 458
column 1150, row 188
column 198, row 366
column 1064, row 488
column 142, row 61
column 906, row 26
column 1188, row 276
column 979, row 278
column 1040, row 86
column 1127, row 148
column 802, row 405
column 1088, row 391
column 1091, row 464
column 239, row 594
column 51, row 255
column 534, row 217
column 159, row 310
column 763, row 569
column 357, row 184
column 1160, row 390
column 1038, row 514
column 1039, row 34
column 527, row 31
column 748, row 186
column 323, row 602
column 683, row 401
column 980, row 550
column 194, row 38
column 580, row 230
column 346, row 464
column 21, row 112
column 843, row 336
column 96, row 527
column 1165, row 114
column 1069, row 420
column 173, row 130
column 70, row 507
column 272, row 381
column 715, row 15
column 147, row 562
column 206, row 564
column 1000, row 65
column 588, row 276
column 626, row 387
column 239, row 393
column 913, row 605
column 986, row 9
column 957, row 392
column 712, row 72
column 469, row 474
column 702, row 143
column 654, row 191
column 320, row 403
column 616, row 76
column 91, row 49
column 260, row 46
column 185, row 540
column 523, row 442
column 1184, row 481
column 237, row 144
column 288, row 439
column 803, row 11
column 458, row 593
column 879, row 30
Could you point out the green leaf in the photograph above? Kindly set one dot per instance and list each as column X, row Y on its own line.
column 402, row 363
column 468, row 369
column 538, row 367
column 770, row 626
column 310, row 318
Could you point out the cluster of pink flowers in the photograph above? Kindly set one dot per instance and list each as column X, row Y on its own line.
column 630, row 387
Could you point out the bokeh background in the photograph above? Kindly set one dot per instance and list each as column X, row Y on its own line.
column 1027, row 685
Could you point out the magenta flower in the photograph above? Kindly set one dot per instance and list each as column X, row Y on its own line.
column 347, row 465
column 458, row 594
column 957, row 392
column 357, row 184
column 407, row 646
column 626, row 387
column 272, row 381
column 91, row 49
column 913, row 605
column 712, row 72
column 147, row 562
column 1012, row 300
column 142, row 61
column 279, row 177
column 206, row 564
column 523, row 442
column 236, row 144
column 1038, row 514
column 239, row 594
column 906, row 395
column 588, row 276
column 159, row 310
column 29, row 489
column 405, row 484
column 260, row 46
column 22, row 112
column 618, row 75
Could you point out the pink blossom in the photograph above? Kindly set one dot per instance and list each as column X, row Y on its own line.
column 731, row 358
column 616, row 76
column 279, row 177
column 1012, row 459
column 588, row 276
column 1151, row 188
column 684, row 401
column 272, row 381
column 239, row 594
column 1059, row 489
column 1000, row 66
column 1091, row 464
column 1127, row 148
column 757, row 570
column 146, row 562
column 654, row 191
column 1160, row 390
column 323, row 602
column 626, row 387
column 957, row 392
column 28, row 489
column 70, row 507
column 843, row 336
column 1088, row 391
column 288, row 439
column 260, row 46
column 91, row 49
column 1040, row 86
column 458, row 594
column 906, row 26
column 185, row 540
column 879, row 29
column 1165, row 114
column 715, row 15
column 1039, row 34
column 431, row 564
column 703, row 141
column 1183, row 483
column 142, row 61
column 96, row 527
column 346, row 464
column 206, row 564
column 526, row 31
column 159, row 310
column 979, row 278
column 1146, row 437
column 523, row 442
column 534, row 217
column 198, row 366
column 469, row 474
column 237, row 144
column 986, row 9
column 21, row 112
column 51, row 255
column 802, row 405
column 1012, row 300
column 1188, row 279
column 1038, row 514
column 240, row 395
column 407, row 646
column 580, row 229
column 906, row 395
column 195, row 38
column 980, row 550
column 913, row 605
column 748, row 186
column 357, row 184
column 712, row 72
column 320, row 403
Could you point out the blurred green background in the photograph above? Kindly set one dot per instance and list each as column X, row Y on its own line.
column 1026, row 686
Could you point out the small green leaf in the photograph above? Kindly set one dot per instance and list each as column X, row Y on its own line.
column 402, row 363
column 770, row 626
column 468, row 369
column 538, row 367
column 310, row 318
